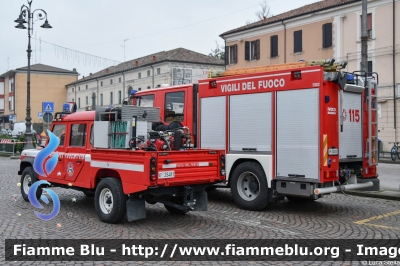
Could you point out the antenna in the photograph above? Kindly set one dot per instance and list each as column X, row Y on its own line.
column 40, row 49
column 124, row 47
column 35, row 47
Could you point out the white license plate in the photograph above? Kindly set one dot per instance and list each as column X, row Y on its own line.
column 166, row 174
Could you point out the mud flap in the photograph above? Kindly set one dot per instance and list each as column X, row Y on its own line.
column 201, row 201
column 135, row 209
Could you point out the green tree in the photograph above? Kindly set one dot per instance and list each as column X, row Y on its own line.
column 218, row 52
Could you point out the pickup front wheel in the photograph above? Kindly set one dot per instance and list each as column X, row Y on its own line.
column 28, row 177
column 110, row 200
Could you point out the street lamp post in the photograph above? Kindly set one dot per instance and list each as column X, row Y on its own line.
column 26, row 12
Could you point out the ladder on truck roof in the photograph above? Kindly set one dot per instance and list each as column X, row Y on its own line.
column 329, row 66
column 372, row 124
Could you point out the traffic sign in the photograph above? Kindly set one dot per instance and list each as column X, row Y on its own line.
column 48, row 107
column 47, row 117
column 40, row 115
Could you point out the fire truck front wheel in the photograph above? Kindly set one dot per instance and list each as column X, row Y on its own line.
column 249, row 187
column 110, row 200
column 28, row 177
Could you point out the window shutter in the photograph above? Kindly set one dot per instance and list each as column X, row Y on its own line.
column 235, row 53
column 298, row 47
column 274, row 46
column 247, row 51
column 257, row 49
column 327, row 35
column 226, row 55
column 369, row 21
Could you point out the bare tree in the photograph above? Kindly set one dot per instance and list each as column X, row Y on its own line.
column 263, row 12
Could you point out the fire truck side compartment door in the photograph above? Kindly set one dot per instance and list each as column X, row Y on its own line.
column 350, row 140
column 297, row 133
column 250, row 122
column 213, row 122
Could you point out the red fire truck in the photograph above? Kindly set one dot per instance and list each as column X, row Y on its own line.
column 299, row 130
column 96, row 156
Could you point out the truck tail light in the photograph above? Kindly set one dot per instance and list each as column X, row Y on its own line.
column 153, row 169
column 222, row 164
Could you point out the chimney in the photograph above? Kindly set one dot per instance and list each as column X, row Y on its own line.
column 74, row 69
column 107, row 70
column 90, row 74
column 154, row 58
column 83, row 77
column 265, row 19
column 137, row 63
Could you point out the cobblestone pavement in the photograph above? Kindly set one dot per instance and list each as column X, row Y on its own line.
column 332, row 217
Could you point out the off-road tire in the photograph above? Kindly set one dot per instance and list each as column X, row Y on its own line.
column 28, row 175
column 249, row 187
column 175, row 210
column 112, row 211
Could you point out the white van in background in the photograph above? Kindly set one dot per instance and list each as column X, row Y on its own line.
column 19, row 128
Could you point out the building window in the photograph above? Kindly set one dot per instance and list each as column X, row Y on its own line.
column 298, row 41
column 119, row 97
column 148, row 73
column 139, row 89
column 87, row 100
column 111, row 81
column 86, row 86
column 274, row 46
column 93, row 101
column 79, row 102
column 73, row 89
column 73, row 99
column 79, row 88
column 252, row 50
column 231, row 54
column 111, row 98
column 101, row 83
column 119, row 80
column 101, row 99
column 327, row 35
column 158, row 71
column 139, row 75
column 369, row 25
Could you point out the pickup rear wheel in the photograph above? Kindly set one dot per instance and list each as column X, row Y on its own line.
column 28, row 177
column 249, row 187
column 110, row 200
column 175, row 210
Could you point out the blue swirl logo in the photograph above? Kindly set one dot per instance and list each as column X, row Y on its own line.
column 46, row 152
column 36, row 203
column 49, row 166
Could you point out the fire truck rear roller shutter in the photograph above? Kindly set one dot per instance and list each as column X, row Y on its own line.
column 297, row 132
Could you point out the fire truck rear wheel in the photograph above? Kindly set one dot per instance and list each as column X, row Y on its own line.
column 110, row 200
column 249, row 187
column 28, row 177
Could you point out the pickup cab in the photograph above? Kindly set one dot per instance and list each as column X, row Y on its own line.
column 122, row 180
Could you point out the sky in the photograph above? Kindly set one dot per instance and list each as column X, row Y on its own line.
column 89, row 34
